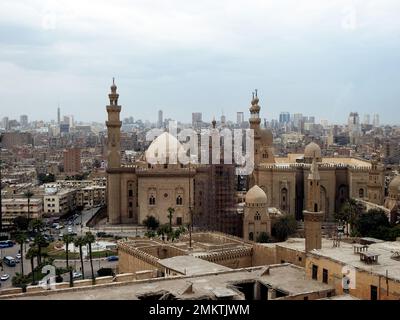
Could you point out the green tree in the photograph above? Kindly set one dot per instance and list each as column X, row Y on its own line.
column 163, row 230
column 40, row 242
column 36, row 225
column 171, row 212
column 20, row 281
column 67, row 238
column 31, row 254
column 349, row 212
column 21, row 223
column 151, row 223
column 285, row 226
column 373, row 223
column 150, row 234
column 29, row 194
column 80, row 242
column 20, row 238
column 89, row 239
column 263, row 237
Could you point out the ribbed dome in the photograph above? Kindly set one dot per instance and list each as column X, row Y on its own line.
column 312, row 150
column 266, row 137
column 394, row 185
column 256, row 195
column 165, row 146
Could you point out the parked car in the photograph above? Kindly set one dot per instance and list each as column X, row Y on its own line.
column 60, row 226
column 76, row 275
column 112, row 258
column 5, row 277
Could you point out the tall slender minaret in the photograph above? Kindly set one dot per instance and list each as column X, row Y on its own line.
column 113, row 157
column 313, row 215
column 255, row 125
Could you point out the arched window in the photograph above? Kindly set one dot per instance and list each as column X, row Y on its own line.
column 152, row 200
column 251, row 236
column 179, row 200
column 361, row 193
column 284, row 199
column 257, row 216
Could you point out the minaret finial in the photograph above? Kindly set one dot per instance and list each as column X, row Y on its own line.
column 255, row 92
column 253, row 95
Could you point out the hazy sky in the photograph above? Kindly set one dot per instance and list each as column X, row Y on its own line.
column 323, row 58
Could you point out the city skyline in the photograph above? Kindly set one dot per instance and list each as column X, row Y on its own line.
column 71, row 51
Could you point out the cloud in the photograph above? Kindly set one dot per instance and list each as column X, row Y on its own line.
column 212, row 53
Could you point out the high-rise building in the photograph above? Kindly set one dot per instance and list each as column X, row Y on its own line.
column 23, row 119
column 58, row 115
column 160, row 119
column 354, row 127
column 375, row 121
column 5, row 123
column 223, row 120
column 196, row 119
column 366, row 119
column 297, row 120
column 284, row 117
column 72, row 161
column 240, row 118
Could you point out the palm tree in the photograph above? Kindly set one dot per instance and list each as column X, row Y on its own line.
column 163, row 230
column 31, row 254
column 89, row 239
column 28, row 194
column 21, row 238
column 170, row 215
column 40, row 242
column 80, row 242
column 36, row 225
column 67, row 238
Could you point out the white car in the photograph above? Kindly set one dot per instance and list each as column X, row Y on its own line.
column 18, row 256
column 59, row 227
column 5, row 277
column 76, row 275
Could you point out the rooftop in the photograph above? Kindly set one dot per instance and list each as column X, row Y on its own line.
column 189, row 265
column 286, row 278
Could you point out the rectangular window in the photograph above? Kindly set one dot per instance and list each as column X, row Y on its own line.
column 130, row 204
column 315, row 272
column 130, row 193
column 324, row 276
column 374, row 293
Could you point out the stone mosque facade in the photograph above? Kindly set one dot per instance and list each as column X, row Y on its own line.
column 206, row 194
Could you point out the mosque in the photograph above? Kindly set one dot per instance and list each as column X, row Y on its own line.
column 206, row 194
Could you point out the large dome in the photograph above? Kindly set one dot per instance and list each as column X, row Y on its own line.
column 266, row 137
column 394, row 185
column 165, row 149
column 312, row 150
column 256, row 195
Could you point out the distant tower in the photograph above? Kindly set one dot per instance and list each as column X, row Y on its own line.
column 58, row 115
column 376, row 184
column 113, row 157
column 255, row 125
column 313, row 215
column 160, row 119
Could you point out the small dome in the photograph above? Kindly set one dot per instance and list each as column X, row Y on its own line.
column 256, row 195
column 394, row 185
column 266, row 137
column 312, row 150
column 165, row 146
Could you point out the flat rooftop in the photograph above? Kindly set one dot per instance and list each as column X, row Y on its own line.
column 385, row 251
column 287, row 278
column 189, row 265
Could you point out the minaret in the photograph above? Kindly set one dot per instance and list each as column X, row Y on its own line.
column 255, row 125
column 375, row 182
column 313, row 215
column 113, row 157
column 113, row 129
